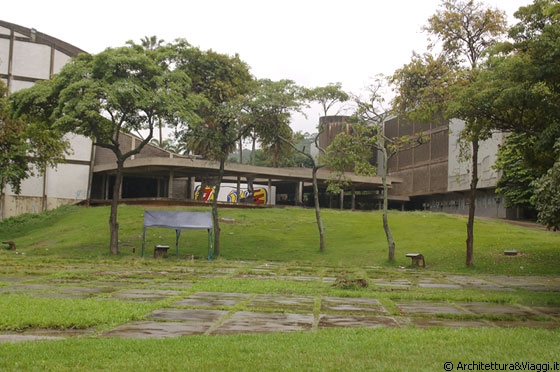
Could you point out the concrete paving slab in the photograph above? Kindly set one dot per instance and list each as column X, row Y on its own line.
column 299, row 278
column 26, row 288
column 473, row 282
column 188, row 315
column 488, row 308
column 14, row 279
column 349, row 304
column 181, row 285
column 145, row 294
column 392, row 283
column 23, row 338
column 452, row 323
column 53, row 291
column 428, row 307
column 262, row 272
column 257, row 322
column 213, row 299
column 337, row 321
column 272, row 265
column 530, row 283
column 152, row 329
column 438, row 284
column 299, row 303
column 553, row 311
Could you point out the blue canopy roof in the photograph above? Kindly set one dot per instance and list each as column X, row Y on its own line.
column 179, row 221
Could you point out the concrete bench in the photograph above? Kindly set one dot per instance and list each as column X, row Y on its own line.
column 11, row 245
column 160, row 251
column 417, row 259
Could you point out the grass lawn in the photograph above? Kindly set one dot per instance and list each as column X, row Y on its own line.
column 69, row 247
column 290, row 234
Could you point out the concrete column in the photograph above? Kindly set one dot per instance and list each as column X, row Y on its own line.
column 269, row 191
column 299, row 193
column 44, row 198
column 2, row 197
column 190, row 187
column 238, row 199
column 170, row 186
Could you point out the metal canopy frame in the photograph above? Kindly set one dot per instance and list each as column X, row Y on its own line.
column 179, row 221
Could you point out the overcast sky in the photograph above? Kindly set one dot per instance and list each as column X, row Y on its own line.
column 313, row 42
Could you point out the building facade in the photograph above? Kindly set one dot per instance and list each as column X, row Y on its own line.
column 434, row 175
column 28, row 56
column 437, row 174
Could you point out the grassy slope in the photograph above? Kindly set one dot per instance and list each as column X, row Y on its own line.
column 290, row 234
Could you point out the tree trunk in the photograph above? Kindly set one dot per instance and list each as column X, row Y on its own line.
column 215, row 217
column 275, row 156
column 160, row 134
column 201, row 189
column 388, row 234
column 1, row 203
column 253, row 148
column 322, row 244
column 113, row 221
column 472, row 202
column 240, row 150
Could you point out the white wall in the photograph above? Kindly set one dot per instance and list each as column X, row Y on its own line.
column 68, row 182
column 31, row 60
column 4, row 55
column 459, row 169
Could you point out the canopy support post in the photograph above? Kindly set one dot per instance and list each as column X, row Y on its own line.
column 143, row 241
column 210, row 244
column 177, row 235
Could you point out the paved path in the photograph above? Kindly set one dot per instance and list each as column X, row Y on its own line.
column 225, row 312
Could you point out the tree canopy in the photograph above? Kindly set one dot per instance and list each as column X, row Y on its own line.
column 517, row 90
column 431, row 87
column 102, row 96
column 269, row 109
column 27, row 145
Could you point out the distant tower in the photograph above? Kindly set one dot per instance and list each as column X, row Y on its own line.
column 332, row 125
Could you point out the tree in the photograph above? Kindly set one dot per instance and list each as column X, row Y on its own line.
column 547, row 195
column 222, row 81
column 316, row 165
column 269, row 110
column 328, row 96
column 355, row 148
column 517, row 174
column 467, row 30
column 28, row 145
column 121, row 90
column 151, row 43
column 519, row 90
column 422, row 87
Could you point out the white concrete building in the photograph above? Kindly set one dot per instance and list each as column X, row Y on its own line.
column 27, row 56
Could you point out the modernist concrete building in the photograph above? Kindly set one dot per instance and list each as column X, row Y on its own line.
column 433, row 177
column 27, row 56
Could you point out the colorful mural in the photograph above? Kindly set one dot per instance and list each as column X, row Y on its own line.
column 260, row 195
column 208, row 193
